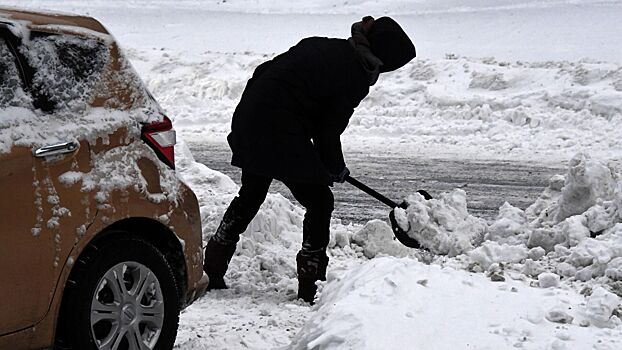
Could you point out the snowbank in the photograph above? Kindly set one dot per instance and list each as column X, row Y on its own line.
column 577, row 224
column 574, row 230
column 391, row 303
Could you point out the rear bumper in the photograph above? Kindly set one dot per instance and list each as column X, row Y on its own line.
column 198, row 291
column 192, row 237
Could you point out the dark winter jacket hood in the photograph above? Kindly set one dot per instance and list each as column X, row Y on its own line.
column 390, row 44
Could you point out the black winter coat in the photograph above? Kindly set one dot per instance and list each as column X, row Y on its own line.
column 288, row 123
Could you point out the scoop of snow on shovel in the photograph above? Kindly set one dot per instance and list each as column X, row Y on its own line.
column 442, row 225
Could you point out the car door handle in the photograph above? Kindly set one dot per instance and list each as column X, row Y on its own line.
column 59, row 148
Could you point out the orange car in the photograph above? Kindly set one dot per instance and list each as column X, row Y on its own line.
column 100, row 240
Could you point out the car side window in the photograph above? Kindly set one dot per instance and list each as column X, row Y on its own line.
column 65, row 68
column 12, row 93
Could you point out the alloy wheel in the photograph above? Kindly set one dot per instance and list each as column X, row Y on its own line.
column 127, row 308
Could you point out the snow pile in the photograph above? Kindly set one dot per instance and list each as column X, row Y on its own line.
column 200, row 94
column 574, row 230
column 395, row 303
column 442, row 225
column 493, row 109
column 587, row 182
column 213, row 189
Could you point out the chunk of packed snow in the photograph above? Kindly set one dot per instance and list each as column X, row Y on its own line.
column 559, row 315
column 547, row 280
column 376, row 237
column 491, row 252
column 587, row 182
column 443, row 225
column 600, row 306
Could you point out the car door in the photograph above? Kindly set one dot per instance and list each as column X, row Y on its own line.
column 44, row 212
column 23, row 250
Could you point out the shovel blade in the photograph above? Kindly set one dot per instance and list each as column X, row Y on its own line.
column 398, row 232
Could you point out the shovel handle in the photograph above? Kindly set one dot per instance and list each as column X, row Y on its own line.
column 361, row 186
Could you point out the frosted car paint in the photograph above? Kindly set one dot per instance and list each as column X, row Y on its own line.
column 47, row 222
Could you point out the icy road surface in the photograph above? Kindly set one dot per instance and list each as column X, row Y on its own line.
column 488, row 183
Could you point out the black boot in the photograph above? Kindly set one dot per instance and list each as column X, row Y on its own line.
column 311, row 267
column 217, row 257
column 307, row 290
column 221, row 246
column 239, row 214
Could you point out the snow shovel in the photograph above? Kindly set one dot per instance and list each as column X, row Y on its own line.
column 399, row 233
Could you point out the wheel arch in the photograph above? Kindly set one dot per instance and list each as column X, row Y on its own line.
column 146, row 229
column 156, row 233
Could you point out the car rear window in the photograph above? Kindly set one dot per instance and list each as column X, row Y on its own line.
column 66, row 70
column 11, row 90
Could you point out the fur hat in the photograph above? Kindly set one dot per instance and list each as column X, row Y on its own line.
column 390, row 44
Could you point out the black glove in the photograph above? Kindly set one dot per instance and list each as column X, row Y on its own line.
column 341, row 177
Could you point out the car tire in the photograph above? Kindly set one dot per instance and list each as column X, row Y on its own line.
column 121, row 295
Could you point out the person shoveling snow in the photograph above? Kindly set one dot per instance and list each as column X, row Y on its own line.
column 287, row 126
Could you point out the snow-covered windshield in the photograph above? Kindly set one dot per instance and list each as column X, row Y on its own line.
column 66, row 69
column 11, row 91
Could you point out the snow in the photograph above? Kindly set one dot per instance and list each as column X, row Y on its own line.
column 530, row 80
column 68, row 83
column 10, row 96
column 443, row 225
column 395, row 303
column 533, row 293
column 376, row 238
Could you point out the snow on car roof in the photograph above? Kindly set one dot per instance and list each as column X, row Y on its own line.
column 44, row 18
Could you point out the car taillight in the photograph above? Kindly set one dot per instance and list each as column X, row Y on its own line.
column 161, row 137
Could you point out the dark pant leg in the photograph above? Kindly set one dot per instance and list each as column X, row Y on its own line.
column 239, row 214
column 312, row 260
column 319, row 203
column 243, row 208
